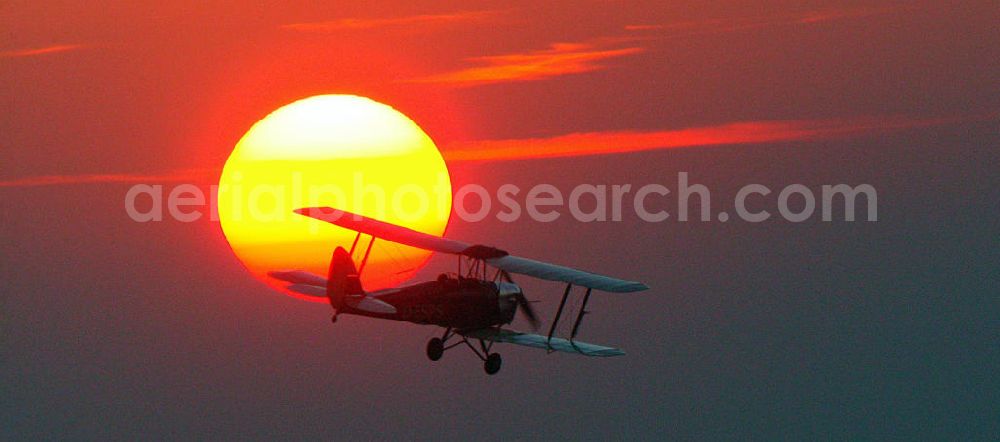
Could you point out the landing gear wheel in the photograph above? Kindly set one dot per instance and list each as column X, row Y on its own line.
column 333, row 319
column 435, row 348
column 492, row 365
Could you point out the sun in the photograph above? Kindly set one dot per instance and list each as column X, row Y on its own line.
column 342, row 151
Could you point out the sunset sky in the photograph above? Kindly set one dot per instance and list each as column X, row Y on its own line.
column 112, row 328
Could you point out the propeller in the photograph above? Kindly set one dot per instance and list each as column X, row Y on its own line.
column 522, row 302
column 527, row 310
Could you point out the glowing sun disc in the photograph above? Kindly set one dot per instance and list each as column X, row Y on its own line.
column 342, row 151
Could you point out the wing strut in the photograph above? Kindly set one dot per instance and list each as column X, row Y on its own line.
column 368, row 251
column 576, row 324
column 579, row 318
column 354, row 244
column 552, row 328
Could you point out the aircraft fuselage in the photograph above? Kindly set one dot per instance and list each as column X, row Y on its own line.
column 447, row 302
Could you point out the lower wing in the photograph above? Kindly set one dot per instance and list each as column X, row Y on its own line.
column 539, row 341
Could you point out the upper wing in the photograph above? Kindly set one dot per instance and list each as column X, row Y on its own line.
column 552, row 272
column 539, row 341
column 495, row 257
column 383, row 230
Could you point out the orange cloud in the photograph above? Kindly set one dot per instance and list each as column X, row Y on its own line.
column 714, row 26
column 40, row 51
column 558, row 59
column 752, row 132
column 370, row 23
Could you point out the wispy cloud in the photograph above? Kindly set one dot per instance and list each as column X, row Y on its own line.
column 829, row 15
column 31, row 52
column 583, row 144
column 749, row 132
column 724, row 25
column 643, row 27
column 558, row 59
column 424, row 20
column 186, row 175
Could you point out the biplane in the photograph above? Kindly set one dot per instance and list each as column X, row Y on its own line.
column 472, row 305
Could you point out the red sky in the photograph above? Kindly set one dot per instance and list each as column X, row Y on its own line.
column 153, row 91
column 113, row 329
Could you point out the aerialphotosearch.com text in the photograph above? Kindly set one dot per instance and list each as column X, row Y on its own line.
column 681, row 201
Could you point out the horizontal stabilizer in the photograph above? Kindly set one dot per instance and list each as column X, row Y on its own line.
column 370, row 304
column 309, row 284
column 308, row 290
column 299, row 277
column 543, row 342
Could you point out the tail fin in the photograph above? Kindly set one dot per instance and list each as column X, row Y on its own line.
column 343, row 279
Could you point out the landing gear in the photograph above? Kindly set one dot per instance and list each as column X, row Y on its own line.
column 333, row 319
column 437, row 346
column 492, row 364
column 435, row 349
